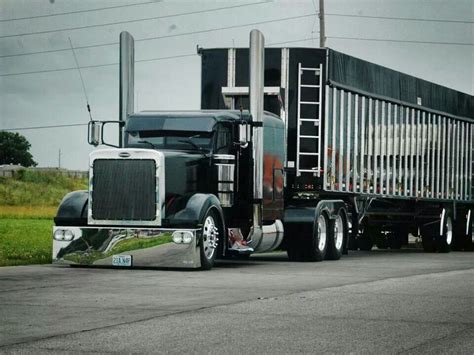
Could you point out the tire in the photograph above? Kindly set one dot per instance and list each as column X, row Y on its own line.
column 462, row 238
column 444, row 241
column 211, row 232
column 318, row 242
column 336, row 237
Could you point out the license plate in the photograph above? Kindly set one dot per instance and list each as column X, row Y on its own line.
column 122, row 260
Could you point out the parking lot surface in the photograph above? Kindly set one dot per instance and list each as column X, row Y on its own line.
column 382, row 301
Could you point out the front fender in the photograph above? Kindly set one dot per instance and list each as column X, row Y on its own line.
column 72, row 210
column 196, row 208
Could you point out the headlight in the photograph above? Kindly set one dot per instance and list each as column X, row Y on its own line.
column 68, row 235
column 182, row 237
column 187, row 237
column 177, row 237
column 63, row 235
column 58, row 234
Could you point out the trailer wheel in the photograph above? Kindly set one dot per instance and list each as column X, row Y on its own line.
column 319, row 240
column 444, row 241
column 337, row 236
column 462, row 238
column 210, row 234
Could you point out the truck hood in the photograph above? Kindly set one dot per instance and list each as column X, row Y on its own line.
column 185, row 174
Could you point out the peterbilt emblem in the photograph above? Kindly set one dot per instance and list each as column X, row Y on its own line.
column 124, row 155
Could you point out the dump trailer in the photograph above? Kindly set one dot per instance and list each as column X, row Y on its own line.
column 308, row 150
column 396, row 149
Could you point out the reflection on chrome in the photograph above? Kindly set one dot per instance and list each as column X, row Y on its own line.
column 145, row 247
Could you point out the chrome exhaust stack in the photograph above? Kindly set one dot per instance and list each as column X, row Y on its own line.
column 257, row 68
column 127, row 79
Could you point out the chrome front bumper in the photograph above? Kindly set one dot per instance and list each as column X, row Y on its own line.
column 151, row 247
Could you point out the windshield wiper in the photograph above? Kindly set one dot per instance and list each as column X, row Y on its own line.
column 147, row 142
column 188, row 140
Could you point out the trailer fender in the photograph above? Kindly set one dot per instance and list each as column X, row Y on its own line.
column 72, row 210
column 310, row 214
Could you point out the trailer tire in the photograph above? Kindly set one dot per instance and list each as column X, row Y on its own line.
column 318, row 242
column 336, row 237
column 444, row 241
column 462, row 238
column 211, row 232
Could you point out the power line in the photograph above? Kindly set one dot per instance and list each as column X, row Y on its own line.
column 136, row 20
column 402, row 41
column 402, row 18
column 98, row 65
column 292, row 41
column 77, row 11
column 43, row 127
column 162, row 37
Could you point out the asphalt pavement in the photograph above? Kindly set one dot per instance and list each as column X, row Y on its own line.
column 382, row 301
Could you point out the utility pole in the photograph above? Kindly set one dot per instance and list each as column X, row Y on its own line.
column 59, row 159
column 322, row 32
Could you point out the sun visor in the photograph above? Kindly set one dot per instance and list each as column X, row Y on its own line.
column 169, row 123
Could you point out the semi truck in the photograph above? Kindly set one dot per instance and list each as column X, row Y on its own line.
column 304, row 149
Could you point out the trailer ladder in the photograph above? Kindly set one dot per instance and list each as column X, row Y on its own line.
column 308, row 140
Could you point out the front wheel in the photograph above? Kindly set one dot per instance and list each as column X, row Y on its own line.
column 210, row 234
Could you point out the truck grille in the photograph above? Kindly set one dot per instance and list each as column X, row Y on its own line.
column 124, row 189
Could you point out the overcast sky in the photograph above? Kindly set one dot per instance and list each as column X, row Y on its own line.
column 55, row 97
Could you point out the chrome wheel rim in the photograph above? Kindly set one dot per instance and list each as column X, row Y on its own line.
column 338, row 232
column 210, row 237
column 322, row 232
column 449, row 231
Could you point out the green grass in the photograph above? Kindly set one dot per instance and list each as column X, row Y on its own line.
column 25, row 241
column 31, row 188
column 28, row 203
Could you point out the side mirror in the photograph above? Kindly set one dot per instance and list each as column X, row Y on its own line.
column 244, row 134
column 94, row 133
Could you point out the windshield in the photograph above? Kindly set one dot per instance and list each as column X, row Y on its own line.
column 178, row 140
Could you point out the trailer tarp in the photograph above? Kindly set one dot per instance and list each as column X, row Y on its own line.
column 372, row 78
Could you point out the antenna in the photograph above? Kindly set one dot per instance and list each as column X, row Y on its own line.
column 82, row 80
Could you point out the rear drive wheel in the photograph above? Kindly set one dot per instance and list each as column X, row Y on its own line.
column 319, row 241
column 210, row 234
column 337, row 236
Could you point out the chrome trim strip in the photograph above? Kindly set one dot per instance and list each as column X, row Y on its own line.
column 370, row 147
column 356, row 152
column 341, row 142
column 363, row 171
column 348, row 143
